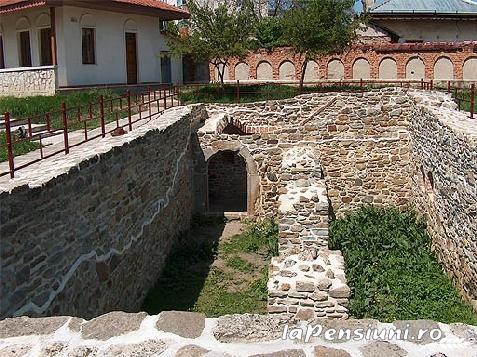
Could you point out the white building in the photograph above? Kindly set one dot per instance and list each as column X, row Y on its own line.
column 51, row 44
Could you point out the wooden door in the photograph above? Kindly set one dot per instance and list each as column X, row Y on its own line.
column 131, row 57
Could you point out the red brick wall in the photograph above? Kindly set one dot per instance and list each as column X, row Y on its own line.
column 457, row 52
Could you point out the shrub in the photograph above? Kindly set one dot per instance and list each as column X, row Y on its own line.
column 391, row 269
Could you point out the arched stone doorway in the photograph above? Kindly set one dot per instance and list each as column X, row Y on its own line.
column 227, row 182
column 207, row 159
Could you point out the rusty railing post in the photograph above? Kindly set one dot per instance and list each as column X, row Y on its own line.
column 422, row 83
column 448, row 86
column 165, row 99
column 432, row 84
column 8, row 138
column 129, row 110
column 237, row 90
column 101, row 116
column 64, row 115
column 472, row 100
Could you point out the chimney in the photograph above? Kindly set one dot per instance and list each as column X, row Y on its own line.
column 367, row 4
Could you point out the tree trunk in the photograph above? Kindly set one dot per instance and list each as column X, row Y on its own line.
column 221, row 75
column 302, row 77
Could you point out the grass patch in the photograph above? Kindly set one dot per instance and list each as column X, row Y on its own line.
column 19, row 148
column 201, row 276
column 391, row 270
column 465, row 103
column 258, row 238
column 252, row 93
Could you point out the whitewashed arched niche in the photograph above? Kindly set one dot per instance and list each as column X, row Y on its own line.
column 130, row 26
column 388, row 69
column 444, row 69
column 242, row 71
column 264, row 71
column 335, row 69
column 87, row 20
column 22, row 24
column 415, row 69
column 470, row 69
column 43, row 20
column 286, row 71
column 312, row 71
column 361, row 69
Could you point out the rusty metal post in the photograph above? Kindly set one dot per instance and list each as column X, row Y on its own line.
column 64, row 115
column 448, row 86
column 165, row 99
column 472, row 100
column 422, row 83
column 101, row 116
column 8, row 137
column 432, row 84
column 238, row 91
column 129, row 110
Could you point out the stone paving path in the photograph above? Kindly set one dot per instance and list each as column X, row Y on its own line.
column 54, row 144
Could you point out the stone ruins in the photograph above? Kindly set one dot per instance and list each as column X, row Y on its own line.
column 88, row 244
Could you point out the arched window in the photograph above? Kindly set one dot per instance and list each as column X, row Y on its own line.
column 312, row 72
column 444, row 69
column 335, row 69
column 242, row 71
column 286, row 71
column 264, row 71
column 361, row 69
column 388, row 69
column 470, row 69
column 415, row 69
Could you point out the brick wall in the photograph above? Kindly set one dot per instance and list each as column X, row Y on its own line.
column 461, row 55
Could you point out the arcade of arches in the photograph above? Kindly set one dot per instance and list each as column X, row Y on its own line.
column 391, row 61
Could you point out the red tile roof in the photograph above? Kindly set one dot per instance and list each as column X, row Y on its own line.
column 17, row 5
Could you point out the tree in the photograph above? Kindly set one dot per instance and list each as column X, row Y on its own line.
column 319, row 27
column 217, row 34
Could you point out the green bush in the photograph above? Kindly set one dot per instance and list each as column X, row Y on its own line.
column 391, row 270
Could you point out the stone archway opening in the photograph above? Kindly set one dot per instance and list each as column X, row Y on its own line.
column 227, row 182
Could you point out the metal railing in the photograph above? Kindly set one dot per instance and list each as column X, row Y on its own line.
column 58, row 131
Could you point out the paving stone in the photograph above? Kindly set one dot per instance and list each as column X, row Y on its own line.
column 415, row 326
column 15, row 351
column 184, row 324
column 191, row 351
column 250, row 328
column 112, row 324
column 85, row 351
column 24, row 326
column 382, row 348
column 321, row 351
column 146, row 348
column 284, row 353
column 468, row 333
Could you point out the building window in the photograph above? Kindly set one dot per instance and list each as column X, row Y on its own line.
column 45, row 47
column 25, row 50
column 2, row 58
column 89, row 50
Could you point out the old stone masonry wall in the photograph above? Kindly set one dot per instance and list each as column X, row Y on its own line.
column 89, row 232
column 28, row 81
column 444, row 164
column 185, row 334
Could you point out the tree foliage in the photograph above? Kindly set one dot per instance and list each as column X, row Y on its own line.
column 217, row 34
column 269, row 33
column 319, row 27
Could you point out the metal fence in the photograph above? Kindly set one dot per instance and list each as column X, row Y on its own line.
column 58, row 131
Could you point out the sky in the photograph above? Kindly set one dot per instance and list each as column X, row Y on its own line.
column 359, row 6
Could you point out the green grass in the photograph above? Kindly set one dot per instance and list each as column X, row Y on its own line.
column 20, row 108
column 19, row 148
column 252, row 93
column 391, row 270
column 465, row 103
column 189, row 281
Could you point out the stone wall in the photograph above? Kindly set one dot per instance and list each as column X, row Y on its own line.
column 444, row 166
column 441, row 61
column 185, row 334
column 89, row 232
column 361, row 142
column 23, row 82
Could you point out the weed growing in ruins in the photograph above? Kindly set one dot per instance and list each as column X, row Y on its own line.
column 19, row 148
column 391, row 269
column 217, row 269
